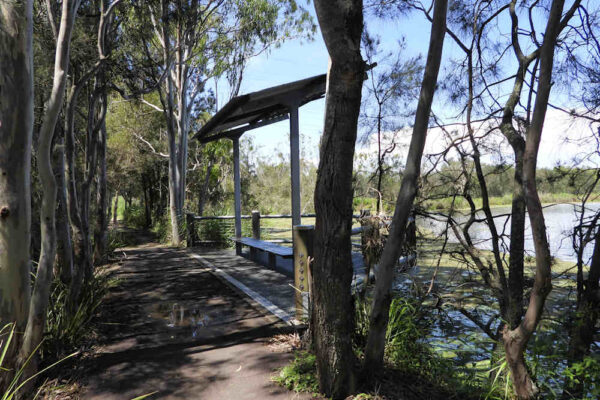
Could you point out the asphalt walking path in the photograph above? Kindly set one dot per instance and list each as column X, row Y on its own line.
column 173, row 327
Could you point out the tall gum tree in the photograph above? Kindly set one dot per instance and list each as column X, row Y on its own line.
column 193, row 42
column 39, row 301
column 16, row 130
column 341, row 23
column 382, row 297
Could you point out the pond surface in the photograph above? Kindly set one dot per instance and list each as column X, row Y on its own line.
column 560, row 220
column 454, row 287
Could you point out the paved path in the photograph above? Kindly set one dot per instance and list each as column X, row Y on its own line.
column 276, row 287
column 173, row 327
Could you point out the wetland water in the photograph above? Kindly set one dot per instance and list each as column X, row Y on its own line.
column 452, row 334
column 560, row 220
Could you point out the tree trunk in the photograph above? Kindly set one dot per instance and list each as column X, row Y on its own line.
column 116, row 208
column 109, row 209
column 174, row 191
column 341, row 24
column 514, row 305
column 16, row 131
column 147, row 209
column 375, row 348
column 584, row 324
column 204, row 189
column 96, row 114
column 80, row 257
column 64, row 255
column 101, row 227
column 515, row 340
column 41, row 290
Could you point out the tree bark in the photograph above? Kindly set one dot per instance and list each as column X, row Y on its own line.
column 64, row 255
column 16, row 131
column 80, row 255
column 341, row 24
column 96, row 116
column 174, row 190
column 515, row 340
column 375, row 348
column 115, row 208
column 204, row 189
column 584, row 324
column 101, row 226
column 41, row 290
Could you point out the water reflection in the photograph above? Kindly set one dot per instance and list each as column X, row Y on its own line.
column 560, row 220
column 190, row 318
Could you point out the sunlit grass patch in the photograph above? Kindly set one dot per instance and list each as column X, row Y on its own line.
column 300, row 375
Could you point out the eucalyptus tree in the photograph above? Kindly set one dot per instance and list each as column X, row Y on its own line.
column 16, row 131
column 185, row 44
column 39, row 301
column 515, row 339
column 374, row 351
column 94, row 48
column 332, row 320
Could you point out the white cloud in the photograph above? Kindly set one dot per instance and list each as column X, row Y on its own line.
column 565, row 139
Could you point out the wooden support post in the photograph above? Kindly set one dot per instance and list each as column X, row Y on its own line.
column 303, row 253
column 255, row 234
column 295, row 165
column 237, row 187
column 191, row 230
column 256, row 224
column 272, row 261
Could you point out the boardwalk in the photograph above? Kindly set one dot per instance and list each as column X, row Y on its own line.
column 172, row 327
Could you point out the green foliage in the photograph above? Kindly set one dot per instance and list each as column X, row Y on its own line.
column 7, row 334
column 404, row 346
column 134, row 216
column 221, row 231
column 556, row 185
column 588, row 373
column 67, row 329
column 500, row 388
column 162, row 228
column 408, row 353
column 116, row 239
column 300, row 375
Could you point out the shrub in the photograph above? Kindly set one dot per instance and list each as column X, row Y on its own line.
column 134, row 216
column 301, row 374
column 67, row 329
column 17, row 383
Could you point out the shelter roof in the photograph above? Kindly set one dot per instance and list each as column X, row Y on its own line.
column 265, row 107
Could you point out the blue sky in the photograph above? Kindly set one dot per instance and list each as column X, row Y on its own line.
column 301, row 59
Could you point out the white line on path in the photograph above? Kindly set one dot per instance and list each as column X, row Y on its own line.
column 263, row 301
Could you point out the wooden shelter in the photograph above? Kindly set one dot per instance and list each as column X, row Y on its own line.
column 254, row 110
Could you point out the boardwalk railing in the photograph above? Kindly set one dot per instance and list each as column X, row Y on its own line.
column 302, row 239
column 223, row 228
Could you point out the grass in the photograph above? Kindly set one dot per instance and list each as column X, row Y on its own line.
column 17, row 383
column 300, row 375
